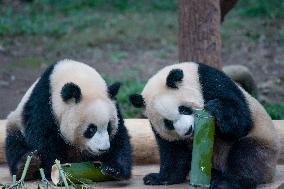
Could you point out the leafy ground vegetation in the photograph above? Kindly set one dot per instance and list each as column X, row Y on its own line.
column 128, row 41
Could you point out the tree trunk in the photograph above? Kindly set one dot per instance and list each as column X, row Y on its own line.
column 199, row 31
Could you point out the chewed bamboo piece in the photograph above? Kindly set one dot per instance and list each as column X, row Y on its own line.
column 79, row 173
column 201, row 163
column 61, row 174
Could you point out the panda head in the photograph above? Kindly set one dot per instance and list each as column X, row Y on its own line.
column 169, row 98
column 84, row 106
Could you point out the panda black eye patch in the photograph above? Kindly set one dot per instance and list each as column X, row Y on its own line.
column 90, row 132
column 71, row 90
column 185, row 110
column 169, row 124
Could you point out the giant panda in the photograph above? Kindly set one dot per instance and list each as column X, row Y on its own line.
column 69, row 114
column 246, row 143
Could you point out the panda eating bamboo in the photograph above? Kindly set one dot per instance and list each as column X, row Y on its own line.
column 246, row 144
column 69, row 114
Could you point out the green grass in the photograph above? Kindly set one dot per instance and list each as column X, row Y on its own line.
column 276, row 111
column 129, row 86
column 261, row 8
column 57, row 18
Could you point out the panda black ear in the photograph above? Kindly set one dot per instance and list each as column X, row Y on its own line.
column 175, row 76
column 69, row 91
column 113, row 89
column 137, row 100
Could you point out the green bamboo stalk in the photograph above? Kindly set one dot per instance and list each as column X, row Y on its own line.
column 201, row 163
column 14, row 180
column 41, row 171
column 43, row 178
column 61, row 173
column 27, row 164
column 81, row 173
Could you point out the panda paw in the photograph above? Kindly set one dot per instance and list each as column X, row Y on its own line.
column 216, row 185
column 156, row 179
column 33, row 168
column 115, row 172
column 152, row 179
column 223, row 184
column 215, row 108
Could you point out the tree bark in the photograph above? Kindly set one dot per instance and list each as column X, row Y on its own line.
column 199, row 31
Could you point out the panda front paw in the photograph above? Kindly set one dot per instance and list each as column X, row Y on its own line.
column 156, row 179
column 34, row 166
column 115, row 172
column 215, row 108
column 152, row 179
column 223, row 184
column 215, row 184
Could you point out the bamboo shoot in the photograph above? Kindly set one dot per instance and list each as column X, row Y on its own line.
column 79, row 173
column 202, row 151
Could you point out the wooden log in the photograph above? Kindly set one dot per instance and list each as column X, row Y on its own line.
column 145, row 150
column 279, row 124
column 2, row 140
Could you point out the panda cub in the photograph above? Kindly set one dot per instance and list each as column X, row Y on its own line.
column 246, row 144
column 69, row 114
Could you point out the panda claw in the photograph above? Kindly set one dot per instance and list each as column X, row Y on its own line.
column 111, row 171
column 152, row 179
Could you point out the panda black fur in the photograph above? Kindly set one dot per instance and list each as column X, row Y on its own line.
column 58, row 119
column 246, row 144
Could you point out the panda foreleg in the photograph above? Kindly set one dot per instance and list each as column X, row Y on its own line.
column 175, row 159
column 17, row 152
column 49, row 151
column 250, row 162
column 16, row 148
column 118, row 161
column 232, row 117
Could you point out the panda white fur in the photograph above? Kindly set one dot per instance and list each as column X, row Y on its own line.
column 69, row 114
column 246, row 144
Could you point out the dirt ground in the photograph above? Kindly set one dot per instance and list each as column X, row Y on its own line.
column 15, row 80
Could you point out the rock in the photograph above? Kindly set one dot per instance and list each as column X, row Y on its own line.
column 4, row 83
column 2, row 49
column 242, row 75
